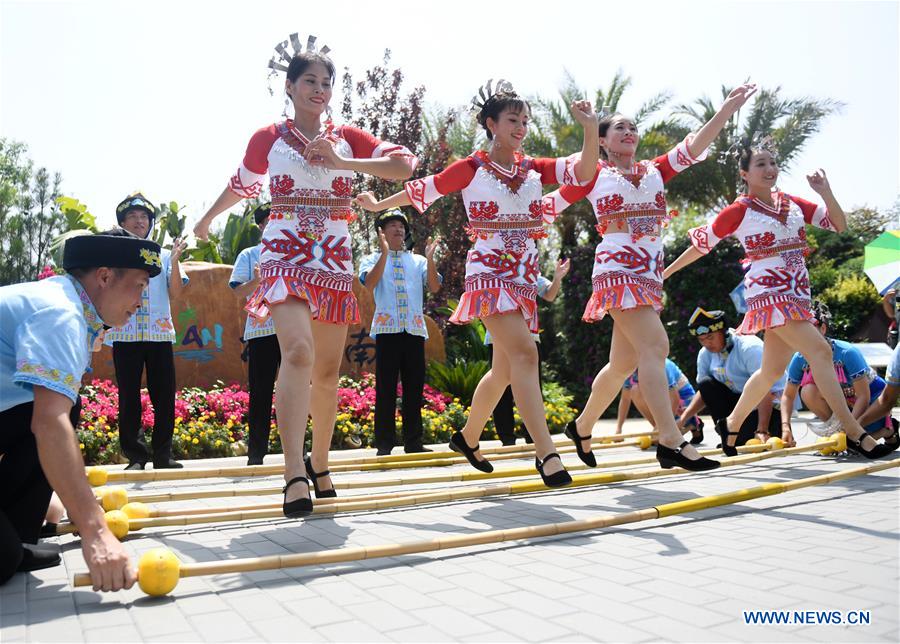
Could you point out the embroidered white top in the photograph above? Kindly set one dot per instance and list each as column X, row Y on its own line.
column 152, row 322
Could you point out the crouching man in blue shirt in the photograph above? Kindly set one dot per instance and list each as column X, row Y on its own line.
column 48, row 330
column 396, row 277
column 724, row 365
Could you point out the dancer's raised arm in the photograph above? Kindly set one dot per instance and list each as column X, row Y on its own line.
column 367, row 201
column 711, row 129
column 686, row 258
column 818, row 181
column 584, row 114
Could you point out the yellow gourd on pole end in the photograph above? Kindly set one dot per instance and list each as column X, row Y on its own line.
column 117, row 522
column 775, row 443
column 113, row 498
column 136, row 510
column 841, row 439
column 827, row 449
column 158, row 571
column 97, row 476
column 644, row 442
column 754, row 441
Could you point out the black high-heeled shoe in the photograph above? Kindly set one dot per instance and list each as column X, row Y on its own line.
column 315, row 476
column 458, row 444
column 557, row 479
column 586, row 455
column 722, row 431
column 298, row 507
column 697, row 434
column 669, row 458
column 880, row 449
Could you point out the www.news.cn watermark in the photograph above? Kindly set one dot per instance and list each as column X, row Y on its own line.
column 809, row 617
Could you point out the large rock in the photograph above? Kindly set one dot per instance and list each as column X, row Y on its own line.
column 209, row 322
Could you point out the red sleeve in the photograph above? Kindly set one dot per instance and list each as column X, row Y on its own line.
column 455, row 176
column 256, row 158
column 728, row 220
column 571, row 194
column 665, row 167
column 808, row 208
column 547, row 169
column 361, row 142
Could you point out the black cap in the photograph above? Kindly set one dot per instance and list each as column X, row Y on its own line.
column 703, row 322
column 113, row 249
column 392, row 215
column 135, row 201
column 262, row 211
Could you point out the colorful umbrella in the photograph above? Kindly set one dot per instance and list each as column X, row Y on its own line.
column 882, row 263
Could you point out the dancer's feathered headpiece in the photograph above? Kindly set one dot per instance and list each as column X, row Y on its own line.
column 760, row 141
column 281, row 59
column 486, row 93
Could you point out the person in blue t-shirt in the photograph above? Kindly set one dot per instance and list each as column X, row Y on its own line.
column 859, row 383
column 263, row 351
column 680, row 393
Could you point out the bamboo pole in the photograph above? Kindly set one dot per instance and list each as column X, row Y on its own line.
column 362, row 464
column 254, row 512
column 455, row 477
column 339, row 555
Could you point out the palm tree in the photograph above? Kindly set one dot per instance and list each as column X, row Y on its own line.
column 790, row 122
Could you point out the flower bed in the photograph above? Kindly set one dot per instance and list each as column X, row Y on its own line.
column 213, row 423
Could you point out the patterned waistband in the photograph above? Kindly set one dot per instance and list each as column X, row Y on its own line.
column 324, row 202
column 765, row 253
column 506, row 225
column 629, row 214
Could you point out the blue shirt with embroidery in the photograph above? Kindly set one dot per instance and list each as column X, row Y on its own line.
column 399, row 294
column 152, row 322
column 243, row 271
column 675, row 379
column 733, row 367
column 48, row 330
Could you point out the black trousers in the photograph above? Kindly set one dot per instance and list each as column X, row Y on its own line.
column 721, row 401
column 263, row 360
column 129, row 359
column 504, row 418
column 399, row 355
column 24, row 489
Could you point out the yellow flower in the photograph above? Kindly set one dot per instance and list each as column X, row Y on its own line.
column 178, row 420
column 196, row 441
column 81, row 446
column 218, row 443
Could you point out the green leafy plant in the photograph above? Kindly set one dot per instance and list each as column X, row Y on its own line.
column 457, row 379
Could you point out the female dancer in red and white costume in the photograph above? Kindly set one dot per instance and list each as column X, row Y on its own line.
column 306, row 261
column 771, row 226
column 629, row 201
column 502, row 194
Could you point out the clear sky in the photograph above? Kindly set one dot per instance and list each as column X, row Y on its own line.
column 162, row 96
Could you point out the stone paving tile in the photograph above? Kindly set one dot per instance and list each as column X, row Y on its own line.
column 352, row 631
column 223, row 627
column 665, row 579
column 524, row 626
column 113, row 634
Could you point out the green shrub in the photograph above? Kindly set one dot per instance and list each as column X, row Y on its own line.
column 457, row 379
column 851, row 300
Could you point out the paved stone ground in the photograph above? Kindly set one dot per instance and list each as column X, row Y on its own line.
column 684, row 578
